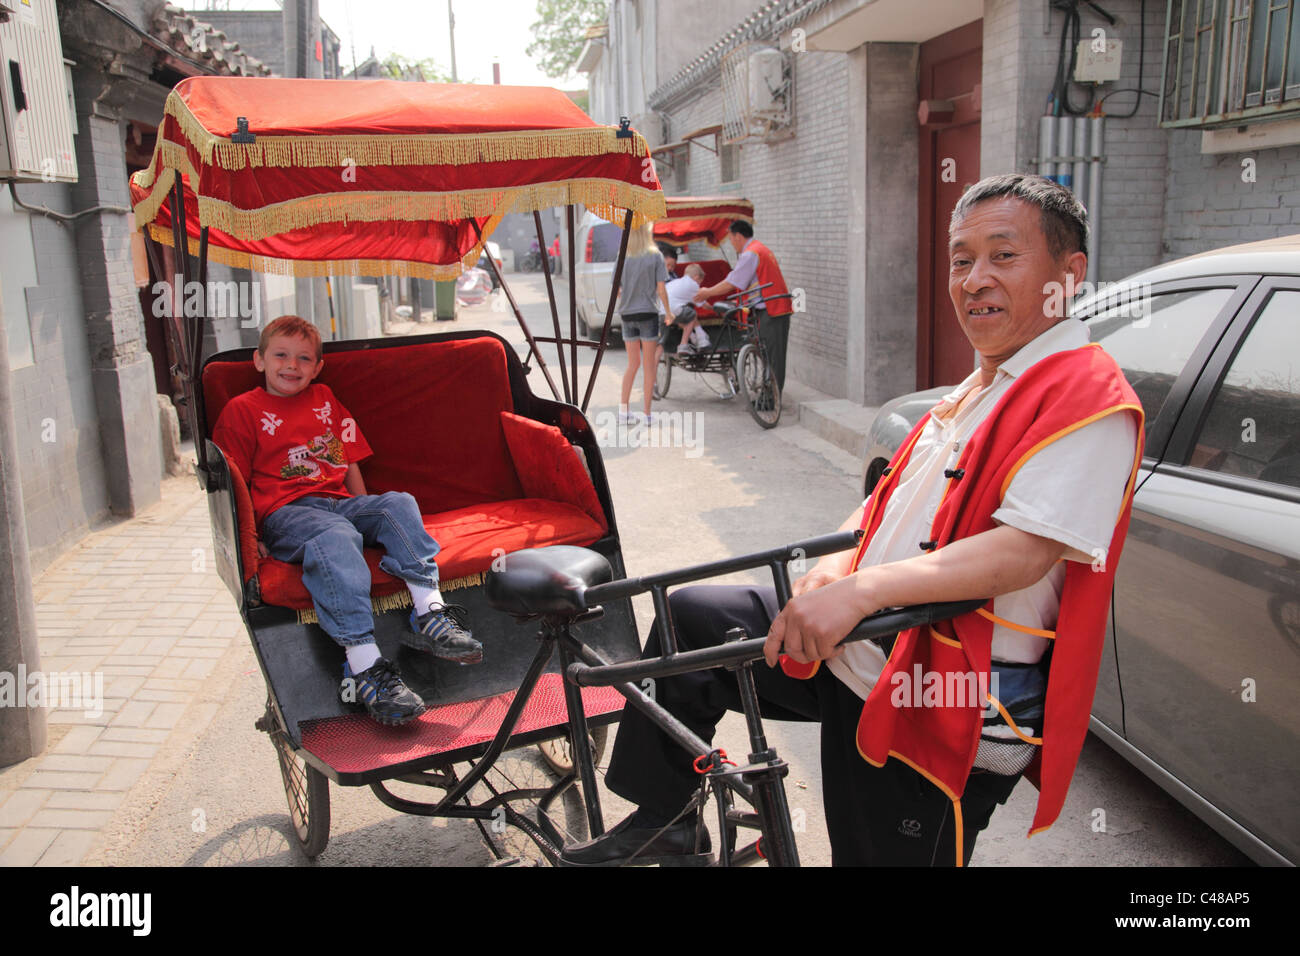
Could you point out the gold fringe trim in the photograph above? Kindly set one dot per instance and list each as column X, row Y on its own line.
column 607, row 198
column 453, row 149
column 402, row 599
column 746, row 217
column 314, row 268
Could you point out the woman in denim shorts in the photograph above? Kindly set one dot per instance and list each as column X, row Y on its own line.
column 644, row 278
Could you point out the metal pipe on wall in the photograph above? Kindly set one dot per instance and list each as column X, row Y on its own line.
column 1047, row 147
column 1064, row 143
column 1096, row 149
column 1079, row 168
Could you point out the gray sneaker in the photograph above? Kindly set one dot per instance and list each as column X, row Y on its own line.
column 444, row 633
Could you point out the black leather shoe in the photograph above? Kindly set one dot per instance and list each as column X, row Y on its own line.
column 627, row 844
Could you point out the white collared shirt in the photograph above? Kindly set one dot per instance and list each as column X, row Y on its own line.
column 1069, row 491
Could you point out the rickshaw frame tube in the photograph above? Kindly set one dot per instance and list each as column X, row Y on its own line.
column 878, row 625
column 555, row 317
column 810, row 548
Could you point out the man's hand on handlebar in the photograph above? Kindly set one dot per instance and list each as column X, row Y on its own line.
column 813, row 623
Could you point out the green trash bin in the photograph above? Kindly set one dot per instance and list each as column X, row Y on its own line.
column 445, row 299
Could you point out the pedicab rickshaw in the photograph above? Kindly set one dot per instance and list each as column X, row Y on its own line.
column 319, row 178
column 735, row 351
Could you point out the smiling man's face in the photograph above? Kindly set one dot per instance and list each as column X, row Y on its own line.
column 1001, row 275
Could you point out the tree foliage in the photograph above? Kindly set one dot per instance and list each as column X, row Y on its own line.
column 407, row 68
column 560, row 32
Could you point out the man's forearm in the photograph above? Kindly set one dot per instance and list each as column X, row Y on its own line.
column 998, row 561
column 838, row 564
column 722, row 288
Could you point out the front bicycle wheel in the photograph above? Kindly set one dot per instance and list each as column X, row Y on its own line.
column 306, row 789
column 758, row 384
column 663, row 375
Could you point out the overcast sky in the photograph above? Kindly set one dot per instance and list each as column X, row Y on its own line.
column 418, row 28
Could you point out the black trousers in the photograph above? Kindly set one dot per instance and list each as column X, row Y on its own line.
column 890, row 816
column 774, row 332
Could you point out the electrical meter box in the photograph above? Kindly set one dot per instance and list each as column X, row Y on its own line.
column 1098, row 60
column 37, row 120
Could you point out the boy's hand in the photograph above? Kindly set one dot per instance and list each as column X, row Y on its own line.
column 262, row 549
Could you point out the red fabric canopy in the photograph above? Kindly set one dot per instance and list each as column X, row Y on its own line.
column 378, row 176
column 689, row 218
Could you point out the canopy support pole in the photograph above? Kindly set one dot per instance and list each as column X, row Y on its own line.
column 200, row 412
column 569, row 395
column 519, row 316
column 609, row 311
column 187, row 360
column 573, row 304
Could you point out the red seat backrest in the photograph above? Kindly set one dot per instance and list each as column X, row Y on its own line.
column 431, row 412
column 715, row 270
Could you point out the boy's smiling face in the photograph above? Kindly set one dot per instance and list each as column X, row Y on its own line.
column 290, row 364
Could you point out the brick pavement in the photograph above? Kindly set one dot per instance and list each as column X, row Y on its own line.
column 137, row 606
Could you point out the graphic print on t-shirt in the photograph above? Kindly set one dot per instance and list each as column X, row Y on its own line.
column 305, row 461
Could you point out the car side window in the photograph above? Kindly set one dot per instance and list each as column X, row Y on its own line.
column 1253, row 425
column 606, row 238
column 1151, row 338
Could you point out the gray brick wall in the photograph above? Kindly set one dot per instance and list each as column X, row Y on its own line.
column 799, row 188
column 259, row 33
column 1208, row 205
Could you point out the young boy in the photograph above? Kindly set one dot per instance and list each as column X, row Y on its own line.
column 299, row 448
column 680, row 293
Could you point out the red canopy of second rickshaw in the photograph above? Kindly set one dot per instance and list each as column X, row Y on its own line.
column 377, row 177
column 689, row 218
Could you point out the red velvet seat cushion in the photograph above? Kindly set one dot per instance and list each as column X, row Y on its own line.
column 470, row 538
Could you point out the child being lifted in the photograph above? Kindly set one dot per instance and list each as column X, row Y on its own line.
column 299, row 449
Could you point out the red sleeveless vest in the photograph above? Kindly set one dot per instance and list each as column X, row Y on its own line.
column 1055, row 396
column 769, row 271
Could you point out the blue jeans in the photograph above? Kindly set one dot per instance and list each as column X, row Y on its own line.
column 325, row 536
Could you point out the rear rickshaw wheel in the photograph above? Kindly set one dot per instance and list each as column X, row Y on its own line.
column 558, row 751
column 663, row 375
column 758, row 384
column 306, row 789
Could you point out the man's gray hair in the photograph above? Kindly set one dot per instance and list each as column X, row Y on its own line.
column 1065, row 221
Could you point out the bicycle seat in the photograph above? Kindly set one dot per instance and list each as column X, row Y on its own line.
column 550, row 580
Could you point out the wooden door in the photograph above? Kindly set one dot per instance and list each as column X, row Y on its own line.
column 949, row 118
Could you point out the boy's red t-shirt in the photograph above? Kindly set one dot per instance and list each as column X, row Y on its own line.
column 290, row 447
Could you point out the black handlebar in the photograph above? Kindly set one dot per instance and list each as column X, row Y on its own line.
column 810, row 548
column 595, row 673
column 737, row 652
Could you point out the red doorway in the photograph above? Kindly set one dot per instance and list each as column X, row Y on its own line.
column 949, row 117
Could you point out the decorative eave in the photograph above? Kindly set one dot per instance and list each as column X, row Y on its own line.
column 204, row 43
column 768, row 22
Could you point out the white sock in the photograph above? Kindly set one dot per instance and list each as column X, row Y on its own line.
column 362, row 657
column 424, row 598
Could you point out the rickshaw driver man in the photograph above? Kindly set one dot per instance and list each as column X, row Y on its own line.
column 998, row 526
column 755, row 265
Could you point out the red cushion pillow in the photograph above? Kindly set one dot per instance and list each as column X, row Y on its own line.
column 548, row 466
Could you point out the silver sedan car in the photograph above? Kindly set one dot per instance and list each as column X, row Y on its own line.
column 1200, row 680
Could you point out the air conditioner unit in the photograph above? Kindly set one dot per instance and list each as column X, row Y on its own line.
column 767, row 84
column 756, row 86
column 36, row 124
